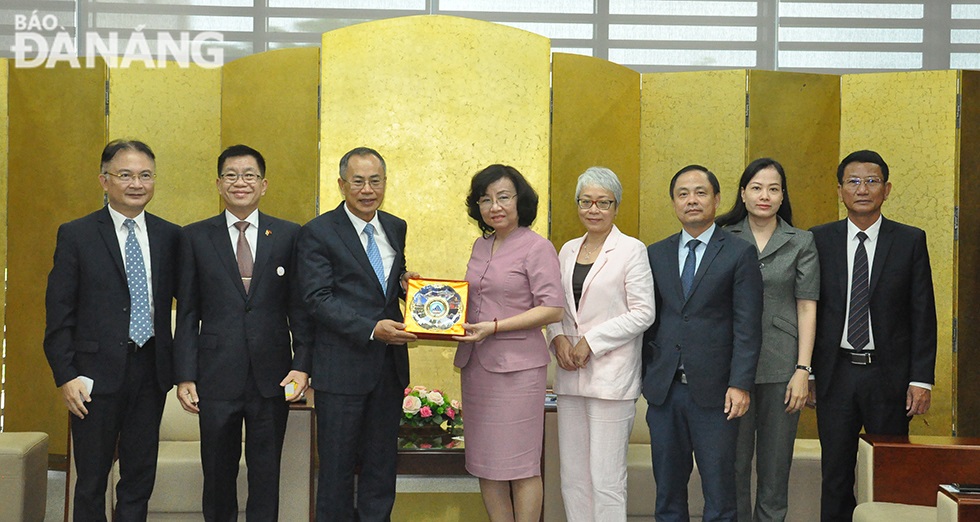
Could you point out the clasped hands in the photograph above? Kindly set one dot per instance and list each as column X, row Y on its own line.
column 571, row 358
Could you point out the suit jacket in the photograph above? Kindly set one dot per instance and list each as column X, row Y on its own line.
column 87, row 301
column 523, row 273
column 717, row 330
column 222, row 331
column 903, row 306
column 790, row 271
column 617, row 305
column 346, row 301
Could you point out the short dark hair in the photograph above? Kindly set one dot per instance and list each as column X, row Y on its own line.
column 711, row 178
column 113, row 147
column 361, row 151
column 862, row 156
column 239, row 150
column 738, row 211
column 527, row 198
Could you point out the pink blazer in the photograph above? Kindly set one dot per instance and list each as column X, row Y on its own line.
column 522, row 274
column 616, row 307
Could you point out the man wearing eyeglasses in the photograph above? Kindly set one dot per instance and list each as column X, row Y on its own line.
column 352, row 272
column 234, row 362
column 107, row 337
column 875, row 353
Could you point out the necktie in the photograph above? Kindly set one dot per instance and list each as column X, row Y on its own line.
column 374, row 255
column 140, row 322
column 244, row 255
column 690, row 264
column 858, row 319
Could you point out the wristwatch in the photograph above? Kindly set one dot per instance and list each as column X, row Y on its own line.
column 806, row 368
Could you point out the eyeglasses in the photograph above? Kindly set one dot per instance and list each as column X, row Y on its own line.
column 128, row 177
column 232, row 177
column 358, row 184
column 601, row 204
column 503, row 200
column 872, row 183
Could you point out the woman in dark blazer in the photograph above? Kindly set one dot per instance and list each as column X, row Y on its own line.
column 791, row 279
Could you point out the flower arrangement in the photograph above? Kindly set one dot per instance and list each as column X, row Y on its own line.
column 423, row 407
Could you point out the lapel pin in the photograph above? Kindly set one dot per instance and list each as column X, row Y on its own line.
column 268, row 232
column 281, row 271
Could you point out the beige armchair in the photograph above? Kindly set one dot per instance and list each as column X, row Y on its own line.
column 23, row 476
column 179, row 481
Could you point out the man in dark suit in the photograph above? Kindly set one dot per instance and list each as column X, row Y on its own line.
column 238, row 300
column 875, row 353
column 107, row 338
column 352, row 271
column 699, row 357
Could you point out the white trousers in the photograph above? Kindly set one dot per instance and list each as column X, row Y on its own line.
column 593, row 436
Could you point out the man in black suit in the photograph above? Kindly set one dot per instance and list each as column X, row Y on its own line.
column 699, row 357
column 352, row 271
column 238, row 300
column 107, row 338
column 875, row 353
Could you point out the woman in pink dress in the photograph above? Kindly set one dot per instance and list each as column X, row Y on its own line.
column 515, row 290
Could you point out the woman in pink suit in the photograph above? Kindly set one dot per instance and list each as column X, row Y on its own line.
column 514, row 291
column 609, row 303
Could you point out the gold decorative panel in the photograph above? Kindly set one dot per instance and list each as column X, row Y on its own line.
column 685, row 118
column 595, row 122
column 966, row 360
column 910, row 119
column 57, row 132
column 440, row 98
column 794, row 118
column 176, row 111
column 269, row 102
column 4, row 142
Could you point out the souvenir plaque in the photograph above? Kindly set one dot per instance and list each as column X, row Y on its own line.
column 436, row 308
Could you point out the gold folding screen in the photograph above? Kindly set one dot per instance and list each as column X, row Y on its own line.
column 4, row 142
column 176, row 111
column 966, row 359
column 269, row 102
column 437, row 123
column 595, row 122
column 911, row 120
column 57, row 131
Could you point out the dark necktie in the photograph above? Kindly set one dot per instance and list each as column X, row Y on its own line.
column 244, row 255
column 858, row 320
column 140, row 322
column 690, row 265
column 374, row 255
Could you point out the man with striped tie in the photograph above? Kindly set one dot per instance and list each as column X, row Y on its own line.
column 235, row 361
column 107, row 337
column 875, row 353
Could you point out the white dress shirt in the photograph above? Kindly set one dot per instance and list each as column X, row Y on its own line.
column 698, row 252
column 387, row 251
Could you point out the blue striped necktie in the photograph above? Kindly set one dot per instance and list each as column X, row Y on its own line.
column 690, row 264
column 859, row 319
column 374, row 255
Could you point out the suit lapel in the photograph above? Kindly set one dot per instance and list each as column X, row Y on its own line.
column 601, row 259
column 710, row 252
column 567, row 269
column 156, row 252
column 885, row 240
column 265, row 240
column 224, row 251
column 388, row 229
column 673, row 281
column 108, row 232
column 839, row 258
column 780, row 237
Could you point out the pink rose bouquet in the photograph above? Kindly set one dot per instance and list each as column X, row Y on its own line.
column 424, row 407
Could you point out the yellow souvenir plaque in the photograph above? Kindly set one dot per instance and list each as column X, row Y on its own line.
column 436, row 308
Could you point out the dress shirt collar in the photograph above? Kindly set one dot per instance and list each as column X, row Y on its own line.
column 252, row 219
column 872, row 231
column 359, row 223
column 118, row 219
column 703, row 238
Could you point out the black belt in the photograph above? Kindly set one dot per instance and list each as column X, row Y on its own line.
column 680, row 376
column 860, row 358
